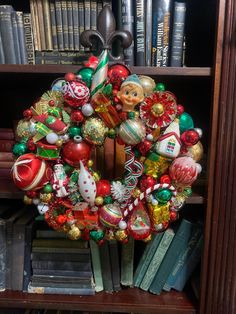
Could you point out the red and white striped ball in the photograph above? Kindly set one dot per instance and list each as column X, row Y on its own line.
column 110, row 215
column 31, row 173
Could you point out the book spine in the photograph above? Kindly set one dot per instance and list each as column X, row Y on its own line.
column 157, row 32
column 6, row 164
column 7, row 34
column 6, row 134
column 75, row 12
column 53, row 24
column 2, row 255
column 47, row 25
column 106, row 267
column 29, row 38
column 55, row 290
column 96, row 264
column 157, row 259
column 146, row 259
column 177, row 34
column 37, row 24
column 61, row 58
column 148, row 31
column 127, row 263
column 21, row 36
column 182, row 259
column 189, row 266
column 140, row 33
column 61, row 265
column 41, row 24
column 78, row 257
column 6, row 145
column 16, row 38
column 166, row 33
column 70, row 24
column 67, row 273
column 5, row 173
column 6, row 156
column 81, row 20
column 60, row 38
column 127, row 18
column 93, row 15
column 182, row 237
column 34, row 25
column 37, row 249
column 27, row 261
column 65, row 28
column 115, row 265
column 87, row 11
column 2, row 56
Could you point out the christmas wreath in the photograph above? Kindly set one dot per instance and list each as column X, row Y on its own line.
column 59, row 131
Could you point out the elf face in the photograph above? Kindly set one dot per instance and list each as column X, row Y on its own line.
column 130, row 95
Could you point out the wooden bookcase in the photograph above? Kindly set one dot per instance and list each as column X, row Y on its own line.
column 206, row 87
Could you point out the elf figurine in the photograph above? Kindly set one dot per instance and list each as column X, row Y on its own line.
column 60, row 180
column 130, row 93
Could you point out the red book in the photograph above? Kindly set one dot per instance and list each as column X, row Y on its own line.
column 6, row 156
column 5, row 173
column 6, row 164
column 6, row 134
column 6, row 145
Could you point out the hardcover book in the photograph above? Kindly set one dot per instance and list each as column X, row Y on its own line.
column 60, row 265
column 75, row 13
column 21, row 37
column 148, row 32
column 61, row 290
column 47, row 24
column 96, row 265
column 115, row 265
column 29, row 40
column 140, row 40
column 40, row 16
column 16, row 37
column 60, row 37
column 81, row 20
column 53, row 24
column 2, row 56
column 106, row 267
column 65, row 25
column 70, row 24
column 34, row 25
column 127, row 263
column 93, row 14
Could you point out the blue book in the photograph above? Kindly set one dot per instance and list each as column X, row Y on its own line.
column 146, row 258
column 182, row 236
column 189, row 266
column 185, row 254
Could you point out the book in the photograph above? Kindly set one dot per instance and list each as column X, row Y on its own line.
column 6, row 134
column 67, row 273
column 69, row 257
column 75, row 13
column 60, row 57
column 70, row 24
column 21, row 37
column 177, row 38
column 93, row 14
column 115, row 265
column 2, row 56
column 182, row 236
column 146, row 258
column 65, row 26
column 62, row 290
column 81, row 20
column 127, row 263
column 53, row 24
column 60, row 265
column 166, row 33
column 106, row 267
column 148, row 32
column 16, row 37
column 18, row 246
column 29, row 40
column 183, row 257
column 96, row 265
column 127, row 22
column 6, row 156
column 60, row 281
column 7, row 34
column 140, row 40
column 157, row 259
column 41, row 17
column 50, row 234
column 35, row 30
column 59, row 25
column 6, row 145
column 6, row 164
column 189, row 266
column 47, row 25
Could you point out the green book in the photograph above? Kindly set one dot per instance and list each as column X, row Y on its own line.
column 96, row 264
column 146, row 258
column 182, row 237
column 157, row 259
column 127, row 263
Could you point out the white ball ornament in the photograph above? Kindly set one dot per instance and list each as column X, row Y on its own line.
column 122, row 225
column 87, row 110
column 52, row 138
column 149, row 137
column 42, row 208
column 199, row 131
column 199, row 168
column 36, row 201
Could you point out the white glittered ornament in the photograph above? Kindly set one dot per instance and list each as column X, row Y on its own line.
column 87, row 110
column 52, row 138
column 122, row 225
column 86, row 184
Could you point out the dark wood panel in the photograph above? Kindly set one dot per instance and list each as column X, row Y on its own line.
column 128, row 300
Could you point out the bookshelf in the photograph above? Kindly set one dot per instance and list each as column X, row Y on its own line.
column 209, row 80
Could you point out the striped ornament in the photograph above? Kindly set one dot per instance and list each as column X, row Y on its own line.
column 110, row 215
column 100, row 74
column 132, row 132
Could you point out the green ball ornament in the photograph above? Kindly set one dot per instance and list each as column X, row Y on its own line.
column 188, row 192
column 112, row 133
column 163, row 195
column 185, row 122
column 74, row 131
column 160, row 87
column 86, row 75
column 108, row 200
column 47, row 188
column 19, row 149
column 97, row 235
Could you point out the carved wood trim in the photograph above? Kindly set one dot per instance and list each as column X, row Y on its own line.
column 218, row 293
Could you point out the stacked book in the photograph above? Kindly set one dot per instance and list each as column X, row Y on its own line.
column 170, row 258
column 60, row 265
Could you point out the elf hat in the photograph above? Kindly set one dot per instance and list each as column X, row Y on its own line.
column 132, row 79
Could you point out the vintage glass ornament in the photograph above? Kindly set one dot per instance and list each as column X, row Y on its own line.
column 86, row 75
column 94, row 131
column 139, row 225
column 110, row 215
column 148, row 84
column 73, row 151
column 19, row 149
column 190, row 137
column 117, row 73
column 185, row 122
column 75, row 93
column 103, row 187
column 87, row 110
column 86, row 185
column 196, row 151
column 132, row 132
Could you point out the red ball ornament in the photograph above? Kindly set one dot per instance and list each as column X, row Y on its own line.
column 31, row 194
column 190, row 137
column 92, row 62
column 27, row 114
column 117, row 73
column 73, row 152
column 180, row 110
column 31, row 173
column 70, row 77
column 173, row 215
column 77, row 116
column 147, row 182
column 144, row 147
column 165, row 179
column 31, row 145
column 51, row 103
column 75, row 93
column 61, row 219
column 103, row 188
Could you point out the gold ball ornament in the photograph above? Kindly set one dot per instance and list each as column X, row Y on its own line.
column 27, row 200
column 121, row 235
column 74, row 233
column 94, row 131
column 45, row 197
column 157, row 109
column 136, row 192
column 96, row 176
column 196, row 151
column 99, row 200
column 23, row 129
column 89, row 163
column 59, row 143
column 148, row 84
